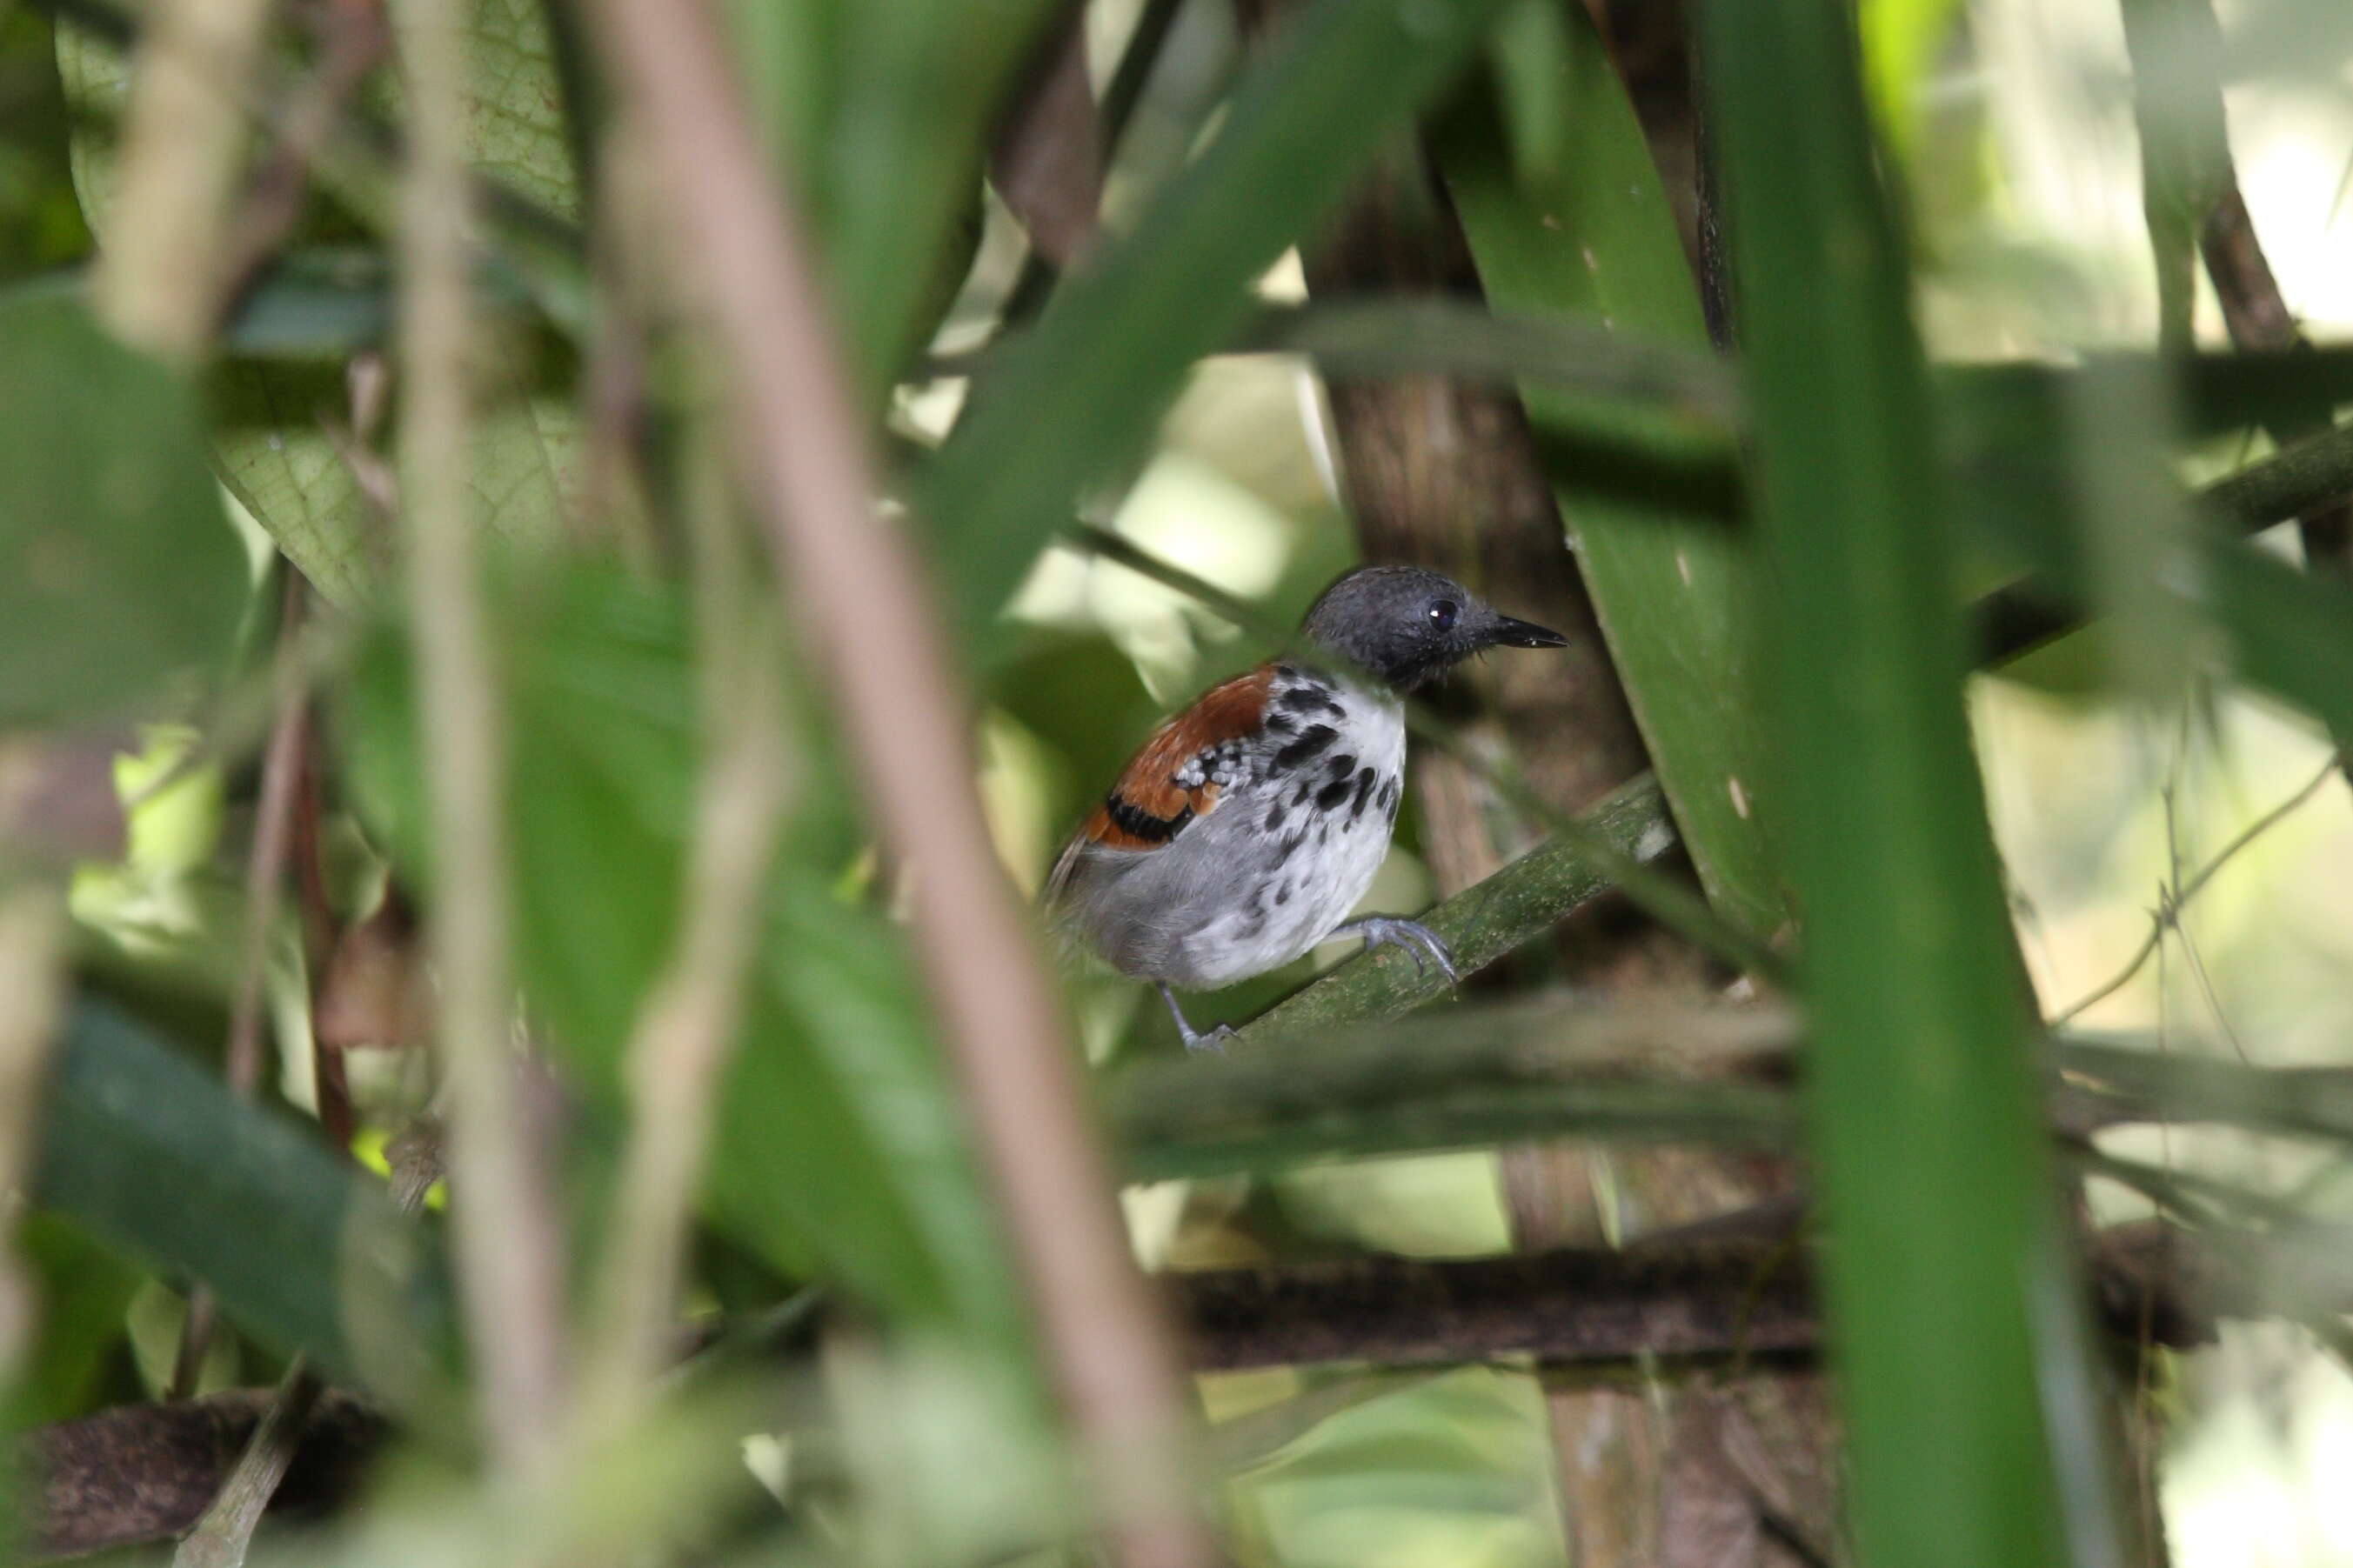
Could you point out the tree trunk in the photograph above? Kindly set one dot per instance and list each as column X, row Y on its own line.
column 1704, row 1473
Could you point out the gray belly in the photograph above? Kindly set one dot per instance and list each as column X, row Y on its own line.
column 1247, row 889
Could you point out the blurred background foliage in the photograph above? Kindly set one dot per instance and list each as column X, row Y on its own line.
column 863, row 1382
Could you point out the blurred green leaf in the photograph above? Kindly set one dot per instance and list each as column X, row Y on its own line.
column 882, row 108
column 1677, row 595
column 40, row 222
column 516, row 134
column 2185, row 151
column 838, row 1145
column 147, row 1151
column 1075, row 400
column 83, row 1290
column 122, row 566
column 1452, row 1468
column 1474, row 1077
column 2285, row 631
column 282, row 432
column 1899, row 42
column 1947, row 1281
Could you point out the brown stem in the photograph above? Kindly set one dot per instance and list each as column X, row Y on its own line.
column 507, row 1242
column 857, row 590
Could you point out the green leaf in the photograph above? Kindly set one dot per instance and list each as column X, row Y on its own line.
column 147, row 1151
column 839, row 1147
column 1899, row 42
column 84, row 1290
column 1075, row 402
column 1592, row 237
column 122, row 566
column 1957, row 1318
column 516, row 133
column 281, row 434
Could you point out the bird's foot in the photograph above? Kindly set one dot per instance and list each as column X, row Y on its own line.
column 1421, row 944
column 1213, row 1040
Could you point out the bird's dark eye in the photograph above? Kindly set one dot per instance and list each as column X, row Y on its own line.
column 1443, row 614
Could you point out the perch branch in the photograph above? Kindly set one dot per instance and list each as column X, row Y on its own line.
column 144, row 1472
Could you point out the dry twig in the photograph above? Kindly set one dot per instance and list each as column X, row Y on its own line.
column 857, row 589
column 506, row 1241
column 160, row 273
column 688, row 1027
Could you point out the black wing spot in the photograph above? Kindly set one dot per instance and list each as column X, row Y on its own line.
column 1138, row 823
column 1311, row 740
column 1309, row 699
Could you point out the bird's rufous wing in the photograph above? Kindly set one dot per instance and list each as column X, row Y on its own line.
column 1153, row 802
column 1160, row 791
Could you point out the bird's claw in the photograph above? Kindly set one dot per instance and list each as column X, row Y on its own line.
column 1420, row 944
column 1212, row 1040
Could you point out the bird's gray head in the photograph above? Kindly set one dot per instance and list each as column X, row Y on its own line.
column 1404, row 624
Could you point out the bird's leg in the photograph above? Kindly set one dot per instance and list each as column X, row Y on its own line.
column 1421, row 943
column 1215, row 1040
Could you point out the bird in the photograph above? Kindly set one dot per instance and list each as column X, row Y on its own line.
column 1244, row 830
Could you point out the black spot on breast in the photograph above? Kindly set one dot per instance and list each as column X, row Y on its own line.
column 1389, row 798
column 1290, row 846
column 1279, row 725
column 1299, row 796
column 1364, row 794
column 1283, row 895
column 1276, row 817
column 1329, row 797
column 1311, row 740
column 1341, row 766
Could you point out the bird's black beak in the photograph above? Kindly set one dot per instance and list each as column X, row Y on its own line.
column 1509, row 633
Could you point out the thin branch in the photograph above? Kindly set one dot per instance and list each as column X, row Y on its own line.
column 857, row 589
column 506, row 1241
column 160, row 273
column 224, row 1534
column 146, row 1472
column 142, row 1472
column 273, row 829
column 688, row 1028
column 2168, row 915
column 265, row 873
column 354, row 40
column 1047, row 161
column 32, row 964
column 1491, row 919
